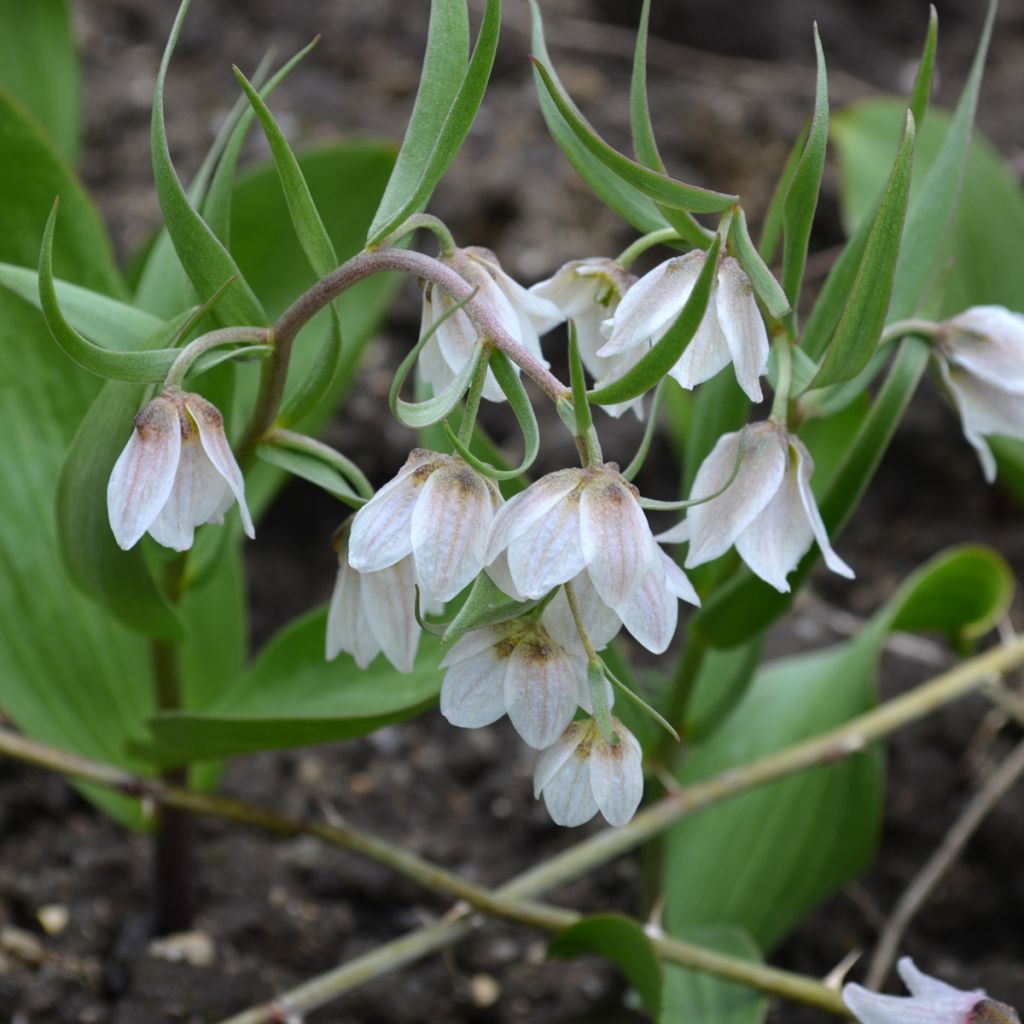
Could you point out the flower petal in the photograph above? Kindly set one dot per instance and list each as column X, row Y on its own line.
column 568, row 793
column 617, row 776
column 208, row 419
column 142, row 478
column 924, row 986
column 381, row 530
column 449, row 528
column 541, row 690
column 742, row 326
column 652, row 611
column 518, row 514
column 551, row 552
column 617, row 542
column 989, row 343
column 708, row 352
column 872, row 1008
column 557, row 754
column 389, row 600
column 471, row 694
column 470, row 644
column 348, row 628
column 715, row 524
column 805, row 467
column 600, row 621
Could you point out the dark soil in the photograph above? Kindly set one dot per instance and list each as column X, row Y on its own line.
column 730, row 84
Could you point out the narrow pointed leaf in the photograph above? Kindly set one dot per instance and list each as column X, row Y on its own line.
column 771, row 230
column 455, row 127
column 659, row 187
column 860, row 327
column 768, row 290
column 314, row 470
column 922, row 90
column 656, row 363
column 802, row 194
column 206, row 261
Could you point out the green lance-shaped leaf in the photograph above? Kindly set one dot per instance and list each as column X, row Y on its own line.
column 771, row 230
column 316, row 244
column 746, row 605
column 666, row 351
column 662, row 189
column 315, row 471
column 519, row 402
column 206, row 261
column 444, row 67
column 802, row 195
column 628, row 202
column 922, row 90
column 644, row 144
column 39, row 65
column 291, row 696
column 453, row 130
column 625, row 944
column 768, row 290
column 860, row 327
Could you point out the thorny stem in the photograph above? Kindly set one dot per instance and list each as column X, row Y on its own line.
column 194, row 349
column 421, row 220
column 282, row 438
column 578, row 860
column 632, row 253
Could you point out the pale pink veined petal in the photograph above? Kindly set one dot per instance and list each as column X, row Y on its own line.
column 389, row 598
column 450, row 524
column 567, row 791
column 804, row 469
column 600, row 621
column 215, row 443
column 617, row 542
column 195, row 498
column 989, row 343
column 381, row 530
column 541, row 687
column 617, row 777
column 348, row 628
column 551, row 552
column 653, row 303
column 458, row 342
column 472, row 694
column 742, row 327
column 501, row 577
column 470, row 644
column 678, row 534
column 715, row 524
column 144, row 473
column 707, row 353
column 518, row 514
column 924, row 986
column 557, row 754
column 651, row 613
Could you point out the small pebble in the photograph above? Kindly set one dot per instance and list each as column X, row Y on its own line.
column 53, row 917
column 484, row 990
column 195, row 948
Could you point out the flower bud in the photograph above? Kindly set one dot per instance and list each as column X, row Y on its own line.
column 176, row 473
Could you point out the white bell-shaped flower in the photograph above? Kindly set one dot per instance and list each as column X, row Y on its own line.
column 373, row 611
column 768, row 510
column 582, row 773
column 588, row 292
column 516, row 668
column 589, row 523
column 930, row 1002
column 455, row 341
column 980, row 357
column 438, row 509
column 176, row 473
column 732, row 329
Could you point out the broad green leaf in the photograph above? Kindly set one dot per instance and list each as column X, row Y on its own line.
column 664, row 354
column 39, row 65
column 82, row 254
column 628, row 202
column 121, row 326
column 725, row 676
column 455, row 127
column 860, row 326
column 746, row 605
column 444, row 65
column 206, row 261
column 292, row 696
column 768, row 290
column 659, row 187
column 622, row 941
column 802, row 195
column 699, row 997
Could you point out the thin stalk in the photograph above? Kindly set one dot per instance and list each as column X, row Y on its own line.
column 926, row 329
column 445, row 240
column 629, row 255
column 194, row 349
column 331, row 456
column 784, row 380
column 473, row 395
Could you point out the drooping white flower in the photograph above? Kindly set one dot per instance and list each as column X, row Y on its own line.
column 732, row 329
column 582, row 774
column 438, row 509
column 588, row 522
column 980, row 357
column 454, row 343
column 930, row 1002
column 588, row 292
column 768, row 511
column 176, row 473
column 373, row 611
column 516, row 668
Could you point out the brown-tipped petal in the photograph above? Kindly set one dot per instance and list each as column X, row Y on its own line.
column 541, row 688
column 143, row 476
column 742, row 327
